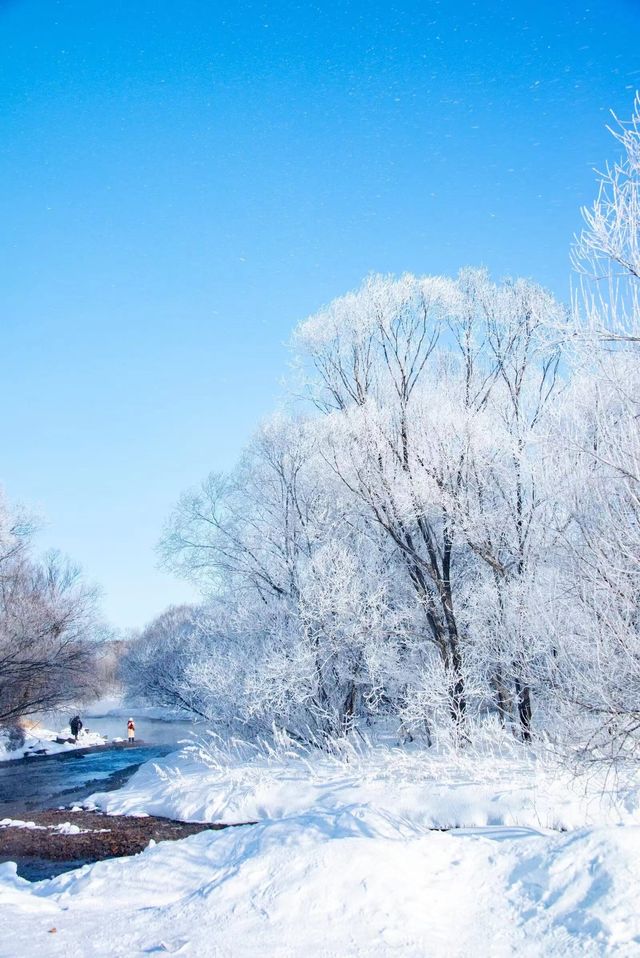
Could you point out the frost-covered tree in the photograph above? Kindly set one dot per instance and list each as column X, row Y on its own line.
column 607, row 254
column 450, row 530
column 48, row 623
column 602, row 537
column 507, row 498
column 379, row 555
column 263, row 542
column 154, row 667
column 371, row 353
column 433, row 391
column 383, row 553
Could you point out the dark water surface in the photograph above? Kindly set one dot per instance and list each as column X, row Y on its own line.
column 39, row 869
column 33, row 784
column 49, row 781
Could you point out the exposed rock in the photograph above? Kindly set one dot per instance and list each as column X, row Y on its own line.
column 98, row 836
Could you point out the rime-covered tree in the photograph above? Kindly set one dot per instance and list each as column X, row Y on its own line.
column 48, row 623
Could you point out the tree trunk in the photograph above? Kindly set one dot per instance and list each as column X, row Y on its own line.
column 456, row 692
column 523, row 694
column 349, row 708
column 501, row 697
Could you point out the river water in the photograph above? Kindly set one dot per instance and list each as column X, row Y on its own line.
column 54, row 780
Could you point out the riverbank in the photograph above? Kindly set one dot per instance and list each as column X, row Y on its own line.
column 28, row 743
column 50, row 842
column 427, row 788
column 49, row 735
column 54, row 781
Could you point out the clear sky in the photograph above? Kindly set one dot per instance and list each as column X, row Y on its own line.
column 180, row 183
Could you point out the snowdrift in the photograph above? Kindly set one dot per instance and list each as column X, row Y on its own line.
column 344, row 862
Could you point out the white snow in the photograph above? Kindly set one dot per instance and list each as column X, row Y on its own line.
column 65, row 828
column 19, row 823
column 326, row 886
column 343, row 863
column 40, row 741
column 423, row 788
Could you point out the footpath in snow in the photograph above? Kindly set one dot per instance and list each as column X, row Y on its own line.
column 343, row 862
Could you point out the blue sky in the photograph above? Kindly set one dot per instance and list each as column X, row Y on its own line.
column 181, row 183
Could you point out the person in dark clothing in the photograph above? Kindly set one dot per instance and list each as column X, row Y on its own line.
column 76, row 725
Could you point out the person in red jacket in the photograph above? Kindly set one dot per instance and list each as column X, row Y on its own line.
column 131, row 730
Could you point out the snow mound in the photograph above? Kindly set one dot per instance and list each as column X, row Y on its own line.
column 415, row 790
column 324, row 885
column 344, row 862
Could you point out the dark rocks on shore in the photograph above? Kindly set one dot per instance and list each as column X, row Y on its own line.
column 98, row 836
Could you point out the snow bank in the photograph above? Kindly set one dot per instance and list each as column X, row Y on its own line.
column 420, row 789
column 322, row 885
column 343, row 863
column 42, row 741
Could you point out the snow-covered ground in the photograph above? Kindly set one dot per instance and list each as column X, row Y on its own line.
column 42, row 741
column 343, row 863
column 421, row 787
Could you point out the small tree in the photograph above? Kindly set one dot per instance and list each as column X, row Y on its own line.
column 154, row 667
